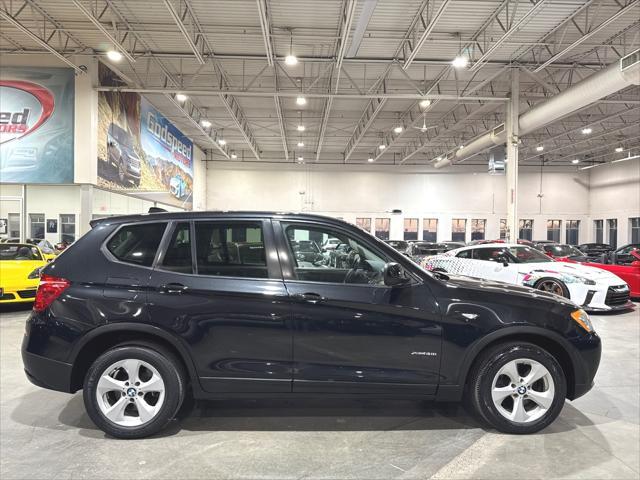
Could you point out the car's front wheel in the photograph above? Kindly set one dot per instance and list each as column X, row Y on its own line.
column 133, row 391
column 517, row 387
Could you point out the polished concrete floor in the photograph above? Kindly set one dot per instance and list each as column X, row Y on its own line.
column 45, row 434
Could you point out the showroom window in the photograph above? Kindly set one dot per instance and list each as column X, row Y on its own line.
column 525, row 228
column 36, row 221
column 553, row 230
column 348, row 261
column 599, row 230
column 612, row 227
column 478, row 226
column 178, row 256
column 634, row 228
column 364, row 223
column 218, row 254
column 14, row 225
column 382, row 228
column 573, row 229
column 410, row 228
column 503, row 228
column 459, row 230
column 137, row 244
column 68, row 228
column 430, row 229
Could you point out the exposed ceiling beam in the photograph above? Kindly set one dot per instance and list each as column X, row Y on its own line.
column 177, row 18
column 114, row 41
column 415, row 49
column 265, row 25
column 368, row 7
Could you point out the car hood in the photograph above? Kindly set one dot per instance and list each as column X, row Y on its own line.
column 592, row 273
column 460, row 281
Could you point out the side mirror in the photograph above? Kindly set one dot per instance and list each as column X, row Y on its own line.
column 393, row 275
column 503, row 260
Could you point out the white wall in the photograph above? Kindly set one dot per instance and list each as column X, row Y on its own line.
column 199, row 180
column 374, row 192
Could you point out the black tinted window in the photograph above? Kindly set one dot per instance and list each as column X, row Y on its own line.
column 230, row 249
column 489, row 254
column 178, row 256
column 137, row 244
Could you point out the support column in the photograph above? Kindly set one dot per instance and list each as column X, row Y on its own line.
column 86, row 210
column 23, row 214
column 511, row 165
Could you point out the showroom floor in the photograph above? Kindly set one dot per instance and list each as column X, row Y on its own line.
column 46, row 434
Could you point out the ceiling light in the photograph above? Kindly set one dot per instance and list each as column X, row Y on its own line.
column 382, row 146
column 222, row 141
column 460, row 147
column 301, row 100
column 370, row 159
column 398, row 129
column 619, row 149
column 234, row 155
column 205, row 123
column 181, row 97
column 114, row 55
column 586, row 131
column 540, row 148
column 438, row 159
column 300, row 159
column 575, row 160
column 301, row 143
column 291, row 60
column 301, row 128
column 460, row 62
column 425, row 103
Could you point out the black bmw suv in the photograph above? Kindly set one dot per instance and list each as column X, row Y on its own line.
column 146, row 310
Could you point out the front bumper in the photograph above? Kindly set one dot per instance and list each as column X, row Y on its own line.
column 615, row 308
column 17, row 295
column 586, row 360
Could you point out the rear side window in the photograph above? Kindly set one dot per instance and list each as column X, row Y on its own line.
column 137, row 244
column 178, row 256
column 230, row 249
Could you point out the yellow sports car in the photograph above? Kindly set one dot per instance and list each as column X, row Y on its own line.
column 20, row 266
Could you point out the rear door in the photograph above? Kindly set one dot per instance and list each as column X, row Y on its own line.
column 217, row 285
column 352, row 333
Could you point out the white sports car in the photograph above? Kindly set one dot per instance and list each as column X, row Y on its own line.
column 592, row 288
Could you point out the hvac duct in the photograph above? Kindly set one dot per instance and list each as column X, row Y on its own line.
column 615, row 77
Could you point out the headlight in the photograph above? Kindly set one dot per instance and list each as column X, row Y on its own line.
column 35, row 273
column 578, row 279
column 582, row 319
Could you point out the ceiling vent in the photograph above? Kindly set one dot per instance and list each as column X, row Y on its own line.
column 630, row 60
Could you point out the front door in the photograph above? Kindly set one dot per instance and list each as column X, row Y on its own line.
column 491, row 262
column 352, row 333
column 219, row 289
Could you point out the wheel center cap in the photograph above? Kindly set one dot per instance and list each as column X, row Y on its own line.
column 131, row 392
column 522, row 390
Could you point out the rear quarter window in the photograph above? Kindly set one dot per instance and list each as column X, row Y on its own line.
column 137, row 244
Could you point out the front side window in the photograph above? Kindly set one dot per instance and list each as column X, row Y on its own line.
column 490, row 254
column 410, row 228
column 525, row 228
column 459, row 230
column 478, row 228
column 573, row 228
column 430, row 229
column 382, row 228
column 230, row 249
column 351, row 261
column 528, row 255
column 612, row 227
column 137, row 244
column 178, row 256
column 364, row 224
column 36, row 221
column 553, row 230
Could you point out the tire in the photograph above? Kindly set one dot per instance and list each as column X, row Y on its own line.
column 553, row 285
column 135, row 413
column 520, row 407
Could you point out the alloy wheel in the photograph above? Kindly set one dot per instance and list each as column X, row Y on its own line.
column 551, row 286
column 130, row 392
column 523, row 390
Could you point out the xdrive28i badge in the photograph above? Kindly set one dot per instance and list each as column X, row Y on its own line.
column 24, row 107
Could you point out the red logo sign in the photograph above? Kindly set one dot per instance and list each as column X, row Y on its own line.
column 25, row 107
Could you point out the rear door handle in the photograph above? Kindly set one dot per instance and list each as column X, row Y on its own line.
column 309, row 297
column 173, row 288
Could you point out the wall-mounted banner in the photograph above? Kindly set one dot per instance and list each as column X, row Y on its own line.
column 36, row 125
column 139, row 150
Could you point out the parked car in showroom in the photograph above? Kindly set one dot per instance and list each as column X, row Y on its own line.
column 592, row 288
column 562, row 251
column 417, row 251
column 121, row 153
column 624, row 255
column 20, row 266
column 146, row 309
column 595, row 250
column 399, row 245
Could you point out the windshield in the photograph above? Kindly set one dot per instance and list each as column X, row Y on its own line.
column 563, row 251
column 9, row 251
column 528, row 255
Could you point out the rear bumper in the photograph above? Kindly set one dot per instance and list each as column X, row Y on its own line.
column 47, row 373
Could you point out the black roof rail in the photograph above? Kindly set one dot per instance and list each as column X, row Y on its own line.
column 157, row 210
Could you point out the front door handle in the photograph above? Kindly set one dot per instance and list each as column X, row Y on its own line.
column 309, row 297
column 172, row 288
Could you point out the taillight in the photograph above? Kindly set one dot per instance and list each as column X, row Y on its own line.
column 49, row 289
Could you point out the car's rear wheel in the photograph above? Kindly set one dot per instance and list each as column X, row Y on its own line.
column 133, row 391
column 553, row 285
column 517, row 388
